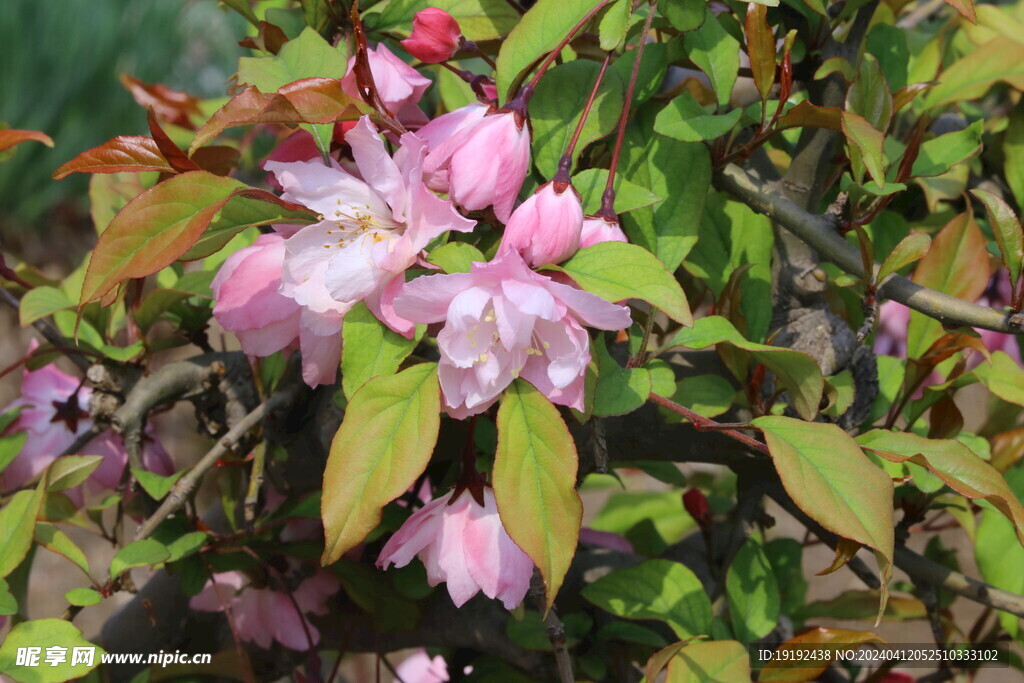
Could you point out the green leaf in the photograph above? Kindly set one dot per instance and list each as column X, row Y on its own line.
column 662, row 510
column 717, row 54
column 865, row 147
column 156, row 485
column 999, row 553
column 8, row 604
column 384, row 443
column 753, row 593
column 614, row 22
column 1013, row 150
column 530, row 633
column 910, row 249
column 628, row 196
column 55, row 540
column 619, row 390
column 1007, row 231
column 786, row 558
column 719, row 661
column 618, row 271
column 535, row 469
column 17, row 522
column 685, row 15
column 940, row 154
column 678, row 171
column 241, row 212
column 369, row 349
column 455, row 257
column 707, row 395
column 657, row 589
column 955, row 464
column 40, row 302
column 185, row 545
column 630, row 633
column 537, row 33
column 827, row 475
column 388, row 609
column 70, row 471
column 797, row 372
column 478, row 19
column 685, row 119
column 889, row 45
column 563, row 89
column 869, row 96
column 138, row 554
column 154, row 229
column 83, row 597
column 1000, row 59
column 304, row 57
column 1003, row 377
column 44, row 634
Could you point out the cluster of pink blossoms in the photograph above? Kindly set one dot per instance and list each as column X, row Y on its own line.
column 53, row 415
column 291, row 289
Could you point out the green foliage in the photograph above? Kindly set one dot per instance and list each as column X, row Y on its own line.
column 43, row 634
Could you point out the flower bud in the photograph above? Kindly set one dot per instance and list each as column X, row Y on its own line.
column 696, row 505
column 599, row 229
column 545, row 228
column 435, row 36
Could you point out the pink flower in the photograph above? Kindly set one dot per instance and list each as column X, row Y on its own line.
column 545, row 229
column 465, row 545
column 479, row 157
column 53, row 415
column 399, row 85
column 598, row 229
column 265, row 321
column 435, row 36
column 373, row 228
column 263, row 615
column 502, row 321
column 420, row 668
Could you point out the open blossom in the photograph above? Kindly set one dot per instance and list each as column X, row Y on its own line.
column 478, row 156
column 373, row 228
column 263, row 615
column 464, row 545
column 545, row 229
column 503, row 321
column 399, row 86
column 435, row 36
column 420, row 668
column 598, row 229
column 53, row 416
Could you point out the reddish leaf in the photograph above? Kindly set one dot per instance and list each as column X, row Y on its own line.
column 154, row 229
column 760, row 48
column 10, row 137
column 807, row 115
column 269, row 38
column 172, row 106
column 217, row 159
column 168, row 149
column 966, row 8
column 907, row 94
column 866, row 145
column 311, row 100
column 123, row 153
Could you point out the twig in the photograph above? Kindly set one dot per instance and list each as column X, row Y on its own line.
column 183, row 487
column 820, row 233
column 702, row 423
column 556, row 634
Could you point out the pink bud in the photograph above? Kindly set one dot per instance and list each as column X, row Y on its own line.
column 598, row 229
column 435, row 36
column 545, row 228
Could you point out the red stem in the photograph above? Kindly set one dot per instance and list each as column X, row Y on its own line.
column 565, row 163
column 608, row 198
column 701, row 423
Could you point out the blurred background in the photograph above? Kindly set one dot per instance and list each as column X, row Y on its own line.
column 60, row 63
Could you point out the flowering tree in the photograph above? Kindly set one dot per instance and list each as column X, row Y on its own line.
column 476, row 255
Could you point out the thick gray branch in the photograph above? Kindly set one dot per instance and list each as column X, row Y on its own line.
column 820, row 232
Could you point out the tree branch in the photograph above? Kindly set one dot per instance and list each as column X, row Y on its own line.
column 820, row 233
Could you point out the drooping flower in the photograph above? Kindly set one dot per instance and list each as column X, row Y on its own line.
column 435, row 36
column 598, row 229
column 263, row 615
column 464, row 545
column 53, row 415
column 545, row 229
column 503, row 321
column 265, row 321
column 399, row 86
column 420, row 668
column 478, row 156
column 373, row 227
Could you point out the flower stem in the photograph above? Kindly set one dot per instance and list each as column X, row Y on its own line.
column 702, row 423
column 607, row 209
column 470, row 46
column 565, row 163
